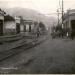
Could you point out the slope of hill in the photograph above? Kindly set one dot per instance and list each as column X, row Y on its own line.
column 30, row 15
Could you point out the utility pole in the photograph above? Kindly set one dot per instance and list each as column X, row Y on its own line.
column 58, row 16
column 62, row 12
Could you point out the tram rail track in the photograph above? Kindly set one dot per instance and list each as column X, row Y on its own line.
column 22, row 47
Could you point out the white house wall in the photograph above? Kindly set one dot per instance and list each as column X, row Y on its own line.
column 32, row 26
column 27, row 27
column 9, row 25
column 21, row 28
column 1, row 17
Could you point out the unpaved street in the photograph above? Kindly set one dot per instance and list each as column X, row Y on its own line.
column 51, row 56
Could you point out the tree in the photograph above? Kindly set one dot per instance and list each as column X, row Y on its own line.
column 8, row 18
column 42, row 26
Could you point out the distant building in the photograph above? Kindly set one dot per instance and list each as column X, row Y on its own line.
column 28, row 26
column 17, row 21
column 69, row 21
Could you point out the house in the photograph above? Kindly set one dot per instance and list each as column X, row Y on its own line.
column 28, row 25
column 9, row 25
column 69, row 21
column 1, row 22
column 18, row 22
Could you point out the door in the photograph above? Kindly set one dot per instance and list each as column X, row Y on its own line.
column 73, row 27
column 17, row 28
column 1, row 27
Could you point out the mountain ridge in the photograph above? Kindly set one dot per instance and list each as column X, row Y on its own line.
column 30, row 14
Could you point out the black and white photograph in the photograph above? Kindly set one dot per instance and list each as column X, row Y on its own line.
column 37, row 36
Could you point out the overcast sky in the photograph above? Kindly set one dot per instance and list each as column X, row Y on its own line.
column 43, row 6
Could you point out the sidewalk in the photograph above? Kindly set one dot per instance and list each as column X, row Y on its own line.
column 9, row 49
column 12, row 41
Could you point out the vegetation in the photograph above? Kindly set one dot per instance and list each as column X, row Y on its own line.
column 42, row 26
column 8, row 18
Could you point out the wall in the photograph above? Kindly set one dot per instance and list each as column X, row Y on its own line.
column 9, row 27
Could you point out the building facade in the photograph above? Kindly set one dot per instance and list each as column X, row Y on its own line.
column 1, row 22
column 28, row 26
column 17, row 21
column 69, row 21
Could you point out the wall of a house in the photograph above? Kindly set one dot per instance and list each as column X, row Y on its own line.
column 9, row 27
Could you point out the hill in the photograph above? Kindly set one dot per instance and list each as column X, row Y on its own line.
column 30, row 15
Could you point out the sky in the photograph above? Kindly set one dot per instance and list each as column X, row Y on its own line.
column 47, row 7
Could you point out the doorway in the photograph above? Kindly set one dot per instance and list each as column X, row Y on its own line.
column 73, row 27
column 1, row 27
column 17, row 28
